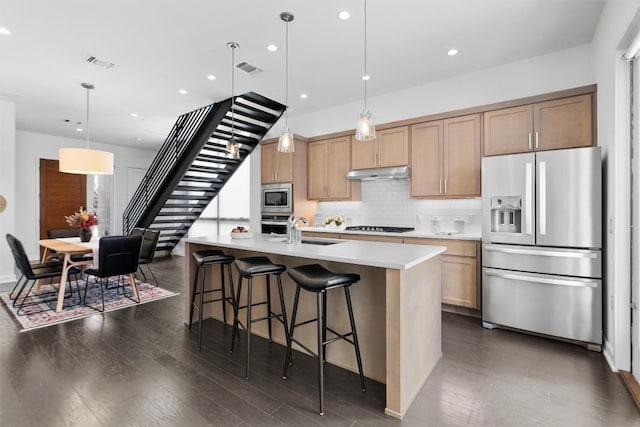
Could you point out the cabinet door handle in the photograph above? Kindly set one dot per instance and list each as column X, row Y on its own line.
column 440, row 191
column 380, row 158
column 530, row 147
column 537, row 139
column 445, row 186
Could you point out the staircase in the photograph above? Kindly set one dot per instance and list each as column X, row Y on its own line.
column 193, row 165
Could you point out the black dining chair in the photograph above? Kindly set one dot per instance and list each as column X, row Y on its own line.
column 147, row 252
column 117, row 256
column 33, row 271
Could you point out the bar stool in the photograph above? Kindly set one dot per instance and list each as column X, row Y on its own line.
column 315, row 278
column 204, row 259
column 250, row 268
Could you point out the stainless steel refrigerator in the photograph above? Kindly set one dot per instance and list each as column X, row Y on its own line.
column 541, row 243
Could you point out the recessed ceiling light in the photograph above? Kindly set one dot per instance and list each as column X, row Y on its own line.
column 5, row 31
column 211, row 77
column 134, row 115
column 303, row 95
column 183, row 92
column 344, row 15
column 452, row 52
column 79, row 129
column 272, row 48
column 366, row 77
column 137, row 138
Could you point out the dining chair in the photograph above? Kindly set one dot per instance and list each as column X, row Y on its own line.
column 147, row 252
column 117, row 256
column 33, row 271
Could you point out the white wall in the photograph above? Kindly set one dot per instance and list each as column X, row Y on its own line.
column 31, row 147
column 559, row 70
column 613, row 129
column 7, row 187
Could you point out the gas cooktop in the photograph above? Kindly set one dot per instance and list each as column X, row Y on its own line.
column 379, row 228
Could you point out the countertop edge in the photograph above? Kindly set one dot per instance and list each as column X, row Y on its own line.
column 410, row 234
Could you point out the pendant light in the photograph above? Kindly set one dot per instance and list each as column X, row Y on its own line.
column 83, row 160
column 285, row 143
column 232, row 145
column 365, row 129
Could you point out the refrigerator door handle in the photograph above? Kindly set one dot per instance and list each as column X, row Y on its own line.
column 528, row 196
column 543, row 280
column 560, row 254
column 543, row 198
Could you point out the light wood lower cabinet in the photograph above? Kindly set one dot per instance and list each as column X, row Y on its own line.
column 460, row 282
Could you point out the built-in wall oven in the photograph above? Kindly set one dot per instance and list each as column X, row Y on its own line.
column 274, row 224
column 277, row 199
column 277, row 205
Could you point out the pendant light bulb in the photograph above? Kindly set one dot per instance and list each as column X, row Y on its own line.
column 233, row 148
column 285, row 142
column 365, row 129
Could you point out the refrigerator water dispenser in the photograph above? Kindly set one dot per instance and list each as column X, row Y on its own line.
column 506, row 214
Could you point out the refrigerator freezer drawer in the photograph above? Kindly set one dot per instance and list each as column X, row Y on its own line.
column 566, row 262
column 566, row 307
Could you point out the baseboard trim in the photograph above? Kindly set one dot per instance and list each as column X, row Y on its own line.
column 632, row 385
column 608, row 356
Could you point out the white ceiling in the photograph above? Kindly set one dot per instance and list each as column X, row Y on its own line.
column 161, row 46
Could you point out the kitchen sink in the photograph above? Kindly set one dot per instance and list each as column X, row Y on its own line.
column 319, row 242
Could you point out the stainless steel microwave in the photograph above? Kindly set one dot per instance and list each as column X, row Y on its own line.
column 277, row 198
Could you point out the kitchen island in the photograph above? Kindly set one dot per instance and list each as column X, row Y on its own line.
column 396, row 304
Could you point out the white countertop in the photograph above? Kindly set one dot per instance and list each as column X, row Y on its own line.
column 415, row 233
column 375, row 254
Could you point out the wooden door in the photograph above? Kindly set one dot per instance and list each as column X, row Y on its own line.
column 393, row 147
column 563, row 123
column 317, row 170
column 338, row 166
column 462, row 156
column 427, row 159
column 364, row 154
column 508, row 131
column 61, row 194
column 268, row 163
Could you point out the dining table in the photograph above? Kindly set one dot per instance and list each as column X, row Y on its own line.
column 68, row 247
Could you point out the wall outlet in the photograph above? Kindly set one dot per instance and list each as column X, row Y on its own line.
column 470, row 219
column 420, row 219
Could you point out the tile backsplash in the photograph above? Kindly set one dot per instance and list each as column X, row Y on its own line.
column 388, row 203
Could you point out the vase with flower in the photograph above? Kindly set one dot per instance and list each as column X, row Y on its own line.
column 84, row 221
column 338, row 222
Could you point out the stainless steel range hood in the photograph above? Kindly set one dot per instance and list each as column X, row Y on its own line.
column 380, row 174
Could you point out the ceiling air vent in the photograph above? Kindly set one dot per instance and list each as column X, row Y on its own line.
column 99, row 62
column 247, row 68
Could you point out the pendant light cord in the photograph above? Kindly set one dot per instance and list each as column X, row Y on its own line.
column 366, row 76
column 88, row 134
column 233, row 100
column 286, row 76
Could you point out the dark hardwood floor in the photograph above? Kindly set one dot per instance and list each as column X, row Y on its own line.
column 140, row 367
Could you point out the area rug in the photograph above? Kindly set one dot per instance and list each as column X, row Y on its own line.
column 39, row 309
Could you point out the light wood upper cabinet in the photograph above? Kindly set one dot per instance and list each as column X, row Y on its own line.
column 550, row 125
column 508, row 131
column 328, row 164
column 445, row 158
column 563, row 123
column 276, row 167
column 390, row 148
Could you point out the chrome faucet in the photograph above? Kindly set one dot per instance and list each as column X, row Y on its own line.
column 292, row 232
